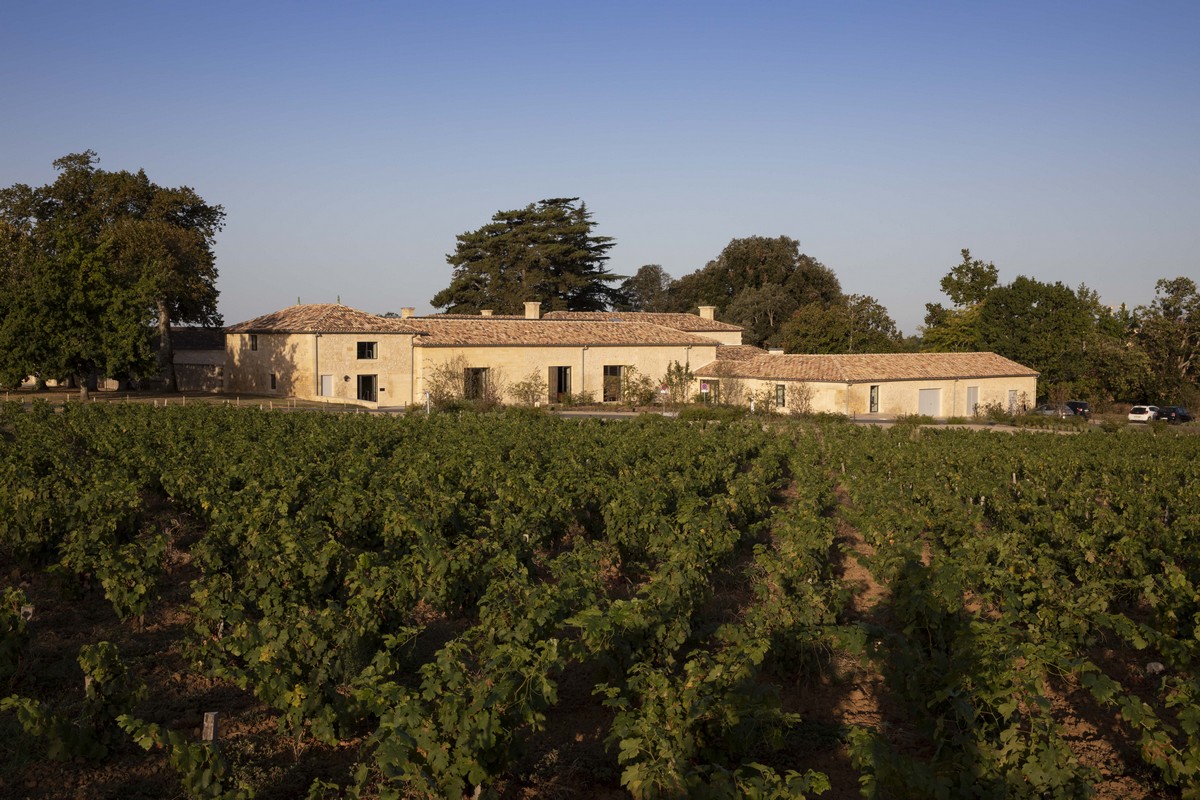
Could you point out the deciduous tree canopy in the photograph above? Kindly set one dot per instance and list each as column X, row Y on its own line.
column 1041, row 325
column 89, row 263
column 1169, row 331
column 1079, row 345
column 757, row 282
column 647, row 290
column 956, row 330
column 545, row 251
column 969, row 283
column 852, row 324
column 761, row 311
column 752, row 263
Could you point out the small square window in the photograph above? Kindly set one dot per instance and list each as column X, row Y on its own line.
column 254, row 341
column 366, row 350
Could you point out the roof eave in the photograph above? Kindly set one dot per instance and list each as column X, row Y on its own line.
column 561, row 344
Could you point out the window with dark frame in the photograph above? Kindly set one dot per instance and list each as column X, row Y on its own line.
column 254, row 341
column 560, row 383
column 366, row 350
column 612, row 383
column 273, row 381
column 367, row 385
column 475, row 381
column 780, row 395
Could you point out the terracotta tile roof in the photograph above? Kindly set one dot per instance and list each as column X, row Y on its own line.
column 453, row 329
column 739, row 352
column 483, row 331
column 323, row 318
column 859, row 368
column 471, row 316
column 680, row 322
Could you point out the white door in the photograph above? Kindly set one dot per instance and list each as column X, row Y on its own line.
column 930, row 402
column 972, row 400
column 326, row 386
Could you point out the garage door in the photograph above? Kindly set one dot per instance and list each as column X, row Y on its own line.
column 930, row 402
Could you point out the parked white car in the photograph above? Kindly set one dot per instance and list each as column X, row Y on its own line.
column 1143, row 413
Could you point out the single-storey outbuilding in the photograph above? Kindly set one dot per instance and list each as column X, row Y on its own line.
column 889, row 384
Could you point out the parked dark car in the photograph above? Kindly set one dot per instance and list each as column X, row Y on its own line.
column 1080, row 408
column 1051, row 410
column 1175, row 414
column 1076, row 408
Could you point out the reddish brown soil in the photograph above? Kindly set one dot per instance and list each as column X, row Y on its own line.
column 177, row 697
column 854, row 693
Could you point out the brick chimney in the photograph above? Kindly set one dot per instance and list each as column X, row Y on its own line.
column 407, row 312
column 708, row 312
column 533, row 310
column 485, row 312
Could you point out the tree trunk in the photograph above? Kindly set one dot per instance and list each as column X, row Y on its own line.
column 86, row 384
column 166, row 353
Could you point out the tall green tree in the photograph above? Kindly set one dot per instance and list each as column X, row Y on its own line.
column 761, row 311
column 969, row 282
column 1169, row 331
column 755, row 262
column 1080, row 346
column 757, row 282
column 1042, row 325
column 956, row 329
column 91, row 263
column 1114, row 365
column 853, row 324
column 949, row 330
column 545, row 251
column 646, row 290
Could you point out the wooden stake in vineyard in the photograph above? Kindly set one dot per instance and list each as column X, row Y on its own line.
column 208, row 732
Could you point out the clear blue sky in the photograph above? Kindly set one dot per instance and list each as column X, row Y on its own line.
column 350, row 142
